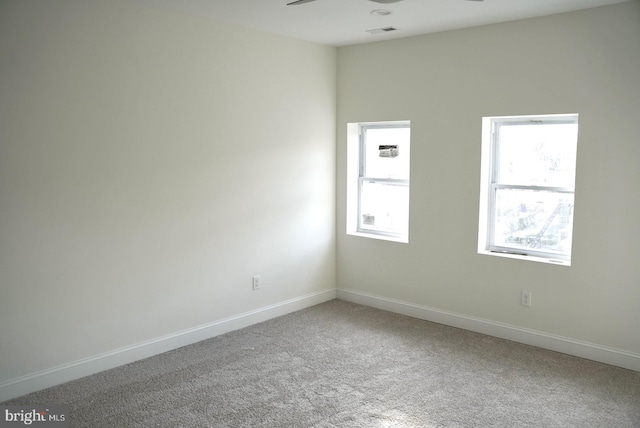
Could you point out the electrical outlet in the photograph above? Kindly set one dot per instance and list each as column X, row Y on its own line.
column 256, row 282
column 525, row 298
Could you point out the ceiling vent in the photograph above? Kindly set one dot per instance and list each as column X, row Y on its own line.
column 382, row 30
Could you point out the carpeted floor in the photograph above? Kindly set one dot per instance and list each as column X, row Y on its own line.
column 344, row 365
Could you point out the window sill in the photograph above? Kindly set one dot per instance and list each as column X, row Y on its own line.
column 527, row 258
column 400, row 239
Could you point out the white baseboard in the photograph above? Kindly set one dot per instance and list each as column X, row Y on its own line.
column 87, row 366
column 565, row 345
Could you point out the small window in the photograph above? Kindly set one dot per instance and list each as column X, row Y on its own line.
column 528, row 185
column 378, row 193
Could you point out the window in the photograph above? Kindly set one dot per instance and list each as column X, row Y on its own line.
column 378, row 177
column 527, row 187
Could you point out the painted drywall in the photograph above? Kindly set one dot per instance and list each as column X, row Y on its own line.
column 585, row 62
column 150, row 164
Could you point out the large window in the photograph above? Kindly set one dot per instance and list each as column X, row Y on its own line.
column 379, row 180
column 528, row 183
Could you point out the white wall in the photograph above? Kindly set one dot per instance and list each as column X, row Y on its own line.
column 586, row 62
column 150, row 164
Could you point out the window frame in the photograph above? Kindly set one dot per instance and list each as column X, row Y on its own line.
column 490, row 185
column 356, row 158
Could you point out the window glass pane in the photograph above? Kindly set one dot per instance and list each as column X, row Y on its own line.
column 387, row 153
column 537, row 154
column 384, row 207
column 534, row 220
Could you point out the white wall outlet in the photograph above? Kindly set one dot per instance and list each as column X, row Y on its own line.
column 256, row 282
column 525, row 298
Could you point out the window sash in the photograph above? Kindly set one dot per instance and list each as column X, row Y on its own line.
column 362, row 169
column 361, row 227
column 536, row 235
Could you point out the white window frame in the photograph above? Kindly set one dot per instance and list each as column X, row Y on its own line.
column 356, row 170
column 489, row 187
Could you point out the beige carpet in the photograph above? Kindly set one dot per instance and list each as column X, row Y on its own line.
column 344, row 365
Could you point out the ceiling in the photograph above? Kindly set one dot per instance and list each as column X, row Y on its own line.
column 345, row 22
